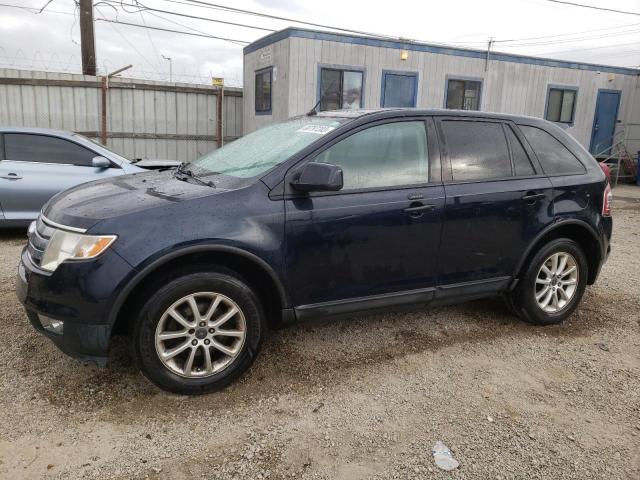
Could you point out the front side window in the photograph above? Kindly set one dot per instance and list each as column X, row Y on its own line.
column 45, row 149
column 258, row 152
column 340, row 89
column 386, row 155
column 555, row 158
column 561, row 105
column 463, row 94
column 264, row 79
column 476, row 150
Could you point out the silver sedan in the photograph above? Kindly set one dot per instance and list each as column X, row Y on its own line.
column 37, row 163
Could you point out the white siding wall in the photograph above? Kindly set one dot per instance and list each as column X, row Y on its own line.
column 508, row 87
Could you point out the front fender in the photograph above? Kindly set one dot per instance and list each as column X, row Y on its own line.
column 150, row 265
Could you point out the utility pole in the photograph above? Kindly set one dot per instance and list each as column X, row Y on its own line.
column 170, row 67
column 486, row 61
column 87, row 38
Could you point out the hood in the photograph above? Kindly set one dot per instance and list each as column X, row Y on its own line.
column 156, row 164
column 85, row 205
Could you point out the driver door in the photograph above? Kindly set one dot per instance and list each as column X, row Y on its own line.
column 375, row 242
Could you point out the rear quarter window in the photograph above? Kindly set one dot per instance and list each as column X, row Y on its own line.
column 555, row 158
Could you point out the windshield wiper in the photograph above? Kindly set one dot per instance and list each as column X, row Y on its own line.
column 183, row 173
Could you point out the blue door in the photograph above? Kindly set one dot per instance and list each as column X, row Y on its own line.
column 604, row 121
column 399, row 89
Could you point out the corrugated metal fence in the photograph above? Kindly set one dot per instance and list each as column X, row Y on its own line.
column 144, row 119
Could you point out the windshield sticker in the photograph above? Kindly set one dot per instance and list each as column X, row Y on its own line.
column 317, row 129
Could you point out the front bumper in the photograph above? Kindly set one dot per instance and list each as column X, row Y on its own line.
column 81, row 294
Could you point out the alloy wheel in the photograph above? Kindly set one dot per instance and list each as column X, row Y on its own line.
column 556, row 282
column 200, row 334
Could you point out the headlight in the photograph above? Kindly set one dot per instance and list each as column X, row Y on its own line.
column 65, row 245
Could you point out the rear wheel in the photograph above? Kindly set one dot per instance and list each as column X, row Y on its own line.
column 199, row 332
column 552, row 284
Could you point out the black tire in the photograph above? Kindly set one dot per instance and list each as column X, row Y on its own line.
column 523, row 299
column 151, row 313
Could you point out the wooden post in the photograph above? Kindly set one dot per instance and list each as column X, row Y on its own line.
column 103, row 122
column 87, row 38
column 219, row 82
column 222, row 116
column 219, row 118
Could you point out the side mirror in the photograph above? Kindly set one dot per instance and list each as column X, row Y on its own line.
column 319, row 177
column 100, row 162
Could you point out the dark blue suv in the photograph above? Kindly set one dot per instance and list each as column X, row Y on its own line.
column 325, row 214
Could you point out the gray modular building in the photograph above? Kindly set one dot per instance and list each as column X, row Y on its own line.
column 288, row 72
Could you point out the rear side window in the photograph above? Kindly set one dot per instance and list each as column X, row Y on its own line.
column 45, row 149
column 383, row 156
column 521, row 163
column 555, row 158
column 477, row 150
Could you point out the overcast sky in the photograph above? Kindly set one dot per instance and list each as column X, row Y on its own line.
column 50, row 40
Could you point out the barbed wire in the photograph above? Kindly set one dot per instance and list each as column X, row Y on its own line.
column 56, row 63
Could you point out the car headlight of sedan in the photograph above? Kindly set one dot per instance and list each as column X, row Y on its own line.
column 64, row 245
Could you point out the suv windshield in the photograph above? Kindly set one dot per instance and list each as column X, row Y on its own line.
column 263, row 149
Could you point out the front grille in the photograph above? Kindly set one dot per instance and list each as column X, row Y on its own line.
column 39, row 240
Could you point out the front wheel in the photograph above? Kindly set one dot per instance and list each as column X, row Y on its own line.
column 198, row 332
column 552, row 284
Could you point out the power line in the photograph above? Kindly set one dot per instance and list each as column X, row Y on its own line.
column 153, row 45
column 104, row 19
column 32, row 9
column 575, row 39
column 286, row 19
column 174, row 22
column 140, row 5
column 592, row 48
column 44, row 6
column 568, row 34
column 594, row 7
column 172, row 31
column 143, row 7
column 276, row 17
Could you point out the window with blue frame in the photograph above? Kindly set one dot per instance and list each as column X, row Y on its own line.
column 399, row 89
column 561, row 105
column 264, row 80
column 340, row 89
column 463, row 94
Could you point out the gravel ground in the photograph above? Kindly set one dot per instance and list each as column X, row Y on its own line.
column 366, row 398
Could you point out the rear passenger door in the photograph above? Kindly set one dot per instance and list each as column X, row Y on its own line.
column 497, row 201
column 36, row 167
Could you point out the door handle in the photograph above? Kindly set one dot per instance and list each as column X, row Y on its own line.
column 418, row 209
column 11, row 176
column 531, row 197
